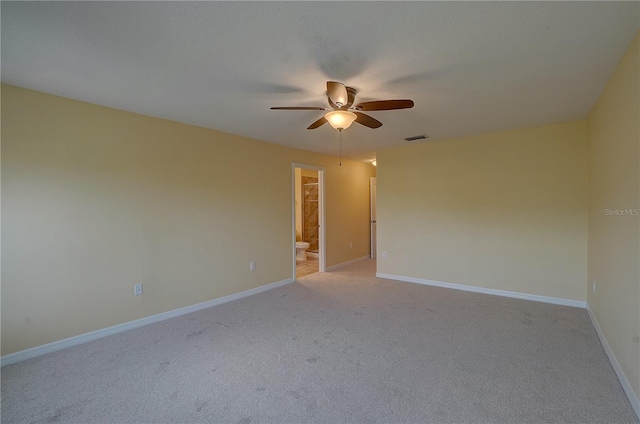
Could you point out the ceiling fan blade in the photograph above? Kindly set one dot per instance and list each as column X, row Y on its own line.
column 367, row 121
column 299, row 108
column 385, row 105
column 337, row 93
column 320, row 122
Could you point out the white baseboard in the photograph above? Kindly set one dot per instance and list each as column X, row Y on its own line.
column 352, row 261
column 633, row 398
column 33, row 352
column 496, row 292
column 631, row 395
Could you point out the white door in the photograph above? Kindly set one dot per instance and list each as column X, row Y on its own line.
column 372, row 189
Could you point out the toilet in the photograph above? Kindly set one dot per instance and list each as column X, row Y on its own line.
column 301, row 250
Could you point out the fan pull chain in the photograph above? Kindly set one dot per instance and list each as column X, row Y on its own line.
column 340, row 131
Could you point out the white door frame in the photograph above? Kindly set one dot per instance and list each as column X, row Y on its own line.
column 373, row 229
column 321, row 212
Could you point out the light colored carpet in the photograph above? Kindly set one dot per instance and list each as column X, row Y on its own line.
column 339, row 347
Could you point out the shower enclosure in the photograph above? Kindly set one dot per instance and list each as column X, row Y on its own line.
column 310, row 221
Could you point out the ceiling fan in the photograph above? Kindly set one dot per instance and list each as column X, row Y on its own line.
column 342, row 112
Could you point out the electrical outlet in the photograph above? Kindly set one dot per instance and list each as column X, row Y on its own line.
column 252, row 266
column 384, row 254
column 351, row 245
column 137, row 289
column 594, row 286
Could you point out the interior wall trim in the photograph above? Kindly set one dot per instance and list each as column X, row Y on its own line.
column 34, row 352
column 631, row 395
column 322, row 211
column 352, row 261
column 496, row 292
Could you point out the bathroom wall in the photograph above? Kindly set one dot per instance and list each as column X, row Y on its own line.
column 310, row 216
column 298, row 173
column 95, row 200
column 298, row 202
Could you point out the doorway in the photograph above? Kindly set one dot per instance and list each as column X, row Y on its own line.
column 308, row 220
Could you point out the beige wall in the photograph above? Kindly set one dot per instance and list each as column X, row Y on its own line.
column 613, row 130
column 504, row 211
column 95, row 200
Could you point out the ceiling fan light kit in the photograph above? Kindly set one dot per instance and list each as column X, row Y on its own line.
column 340, row 119
column 343, row 113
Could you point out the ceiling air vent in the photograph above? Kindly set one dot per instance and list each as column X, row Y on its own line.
column 416, row 137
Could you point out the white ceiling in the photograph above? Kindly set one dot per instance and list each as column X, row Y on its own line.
column 470, row 67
